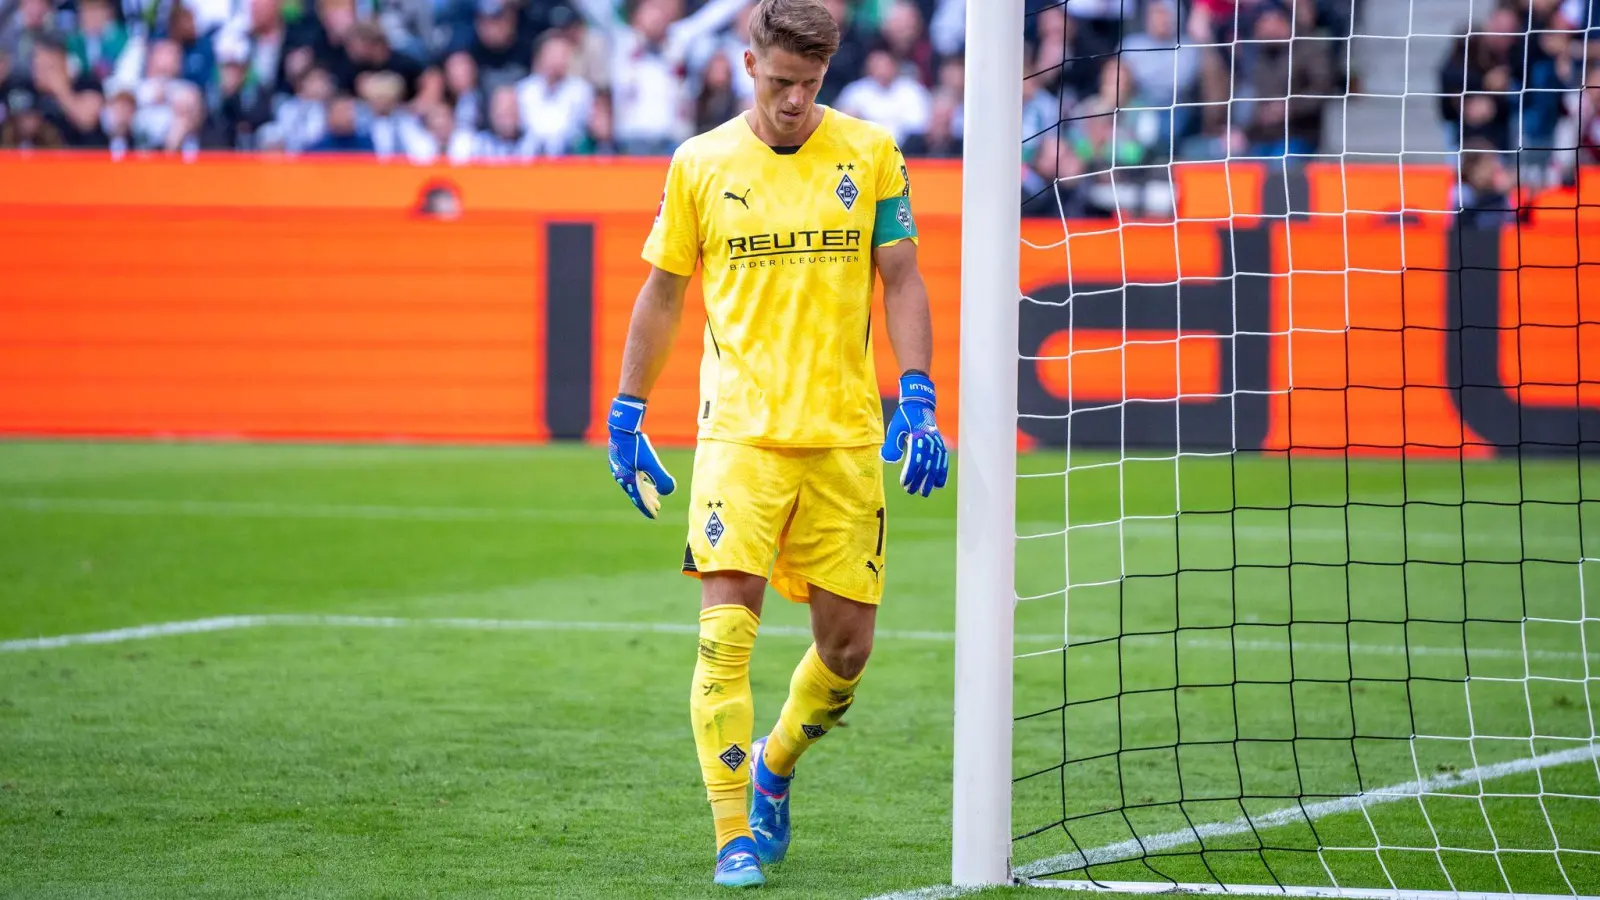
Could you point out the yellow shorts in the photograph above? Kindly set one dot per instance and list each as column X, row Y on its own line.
column 798, row 517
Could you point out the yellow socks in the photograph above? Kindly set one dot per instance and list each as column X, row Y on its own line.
column 723, row 714
column 817, row 700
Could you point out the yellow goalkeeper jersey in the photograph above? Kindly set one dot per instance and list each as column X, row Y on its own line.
column 785, row 237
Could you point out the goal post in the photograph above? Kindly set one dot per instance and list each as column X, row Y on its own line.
column 1297, row 590
column 986, row 463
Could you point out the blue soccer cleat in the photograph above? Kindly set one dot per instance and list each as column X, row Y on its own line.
column 737, row 865
column 769, row 808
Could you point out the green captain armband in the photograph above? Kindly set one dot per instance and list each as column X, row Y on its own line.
column 894, row 221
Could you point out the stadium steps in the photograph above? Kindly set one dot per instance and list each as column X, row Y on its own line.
column 1397, row 79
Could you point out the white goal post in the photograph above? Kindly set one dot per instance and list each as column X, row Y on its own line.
column 986, row 464
column 1334, row 473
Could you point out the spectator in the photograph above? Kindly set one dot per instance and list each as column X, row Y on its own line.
column 730, row 47
column 647, row 83
column 1097, row 26
column 718, row 101
column 1483, row 194
column 241, row 105
column 342, row 134
column 554, row 102
column 851, row 60
column 1050, row 183
column 1101, row 145
column 26, row 127
column 1164, row 71
column 72, row 105
column 504, row 138
column 461, row 90
column 98, row 41
column 889, row 97
column 440, row 200
column 198, row 58
column 500, row 49
column 1280, row 79
column 116, row 120
column 27, row 25
column 367, row 52
column 392, row 128
column 907, row 41
column 1148, row 128
column 408, row 27
column 301, row 120
column 1552, row 76
column 162, row 68
column 1481, row 66
column 947, row 27
column 259, row 37
column 320, row 40
column 440, row 138
column 942, row 140
column 1589, row 118
column 187, row 130
column 591, row 54
column 1059, row 64
column 1041, row 111
column 601, row 137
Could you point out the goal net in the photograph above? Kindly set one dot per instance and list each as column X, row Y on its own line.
column 1307, row 515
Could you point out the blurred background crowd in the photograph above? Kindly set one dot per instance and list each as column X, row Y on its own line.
column 498, row 79
column 483, row 80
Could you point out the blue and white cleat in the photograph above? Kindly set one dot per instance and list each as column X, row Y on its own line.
column 737, row 865
column 769, row 808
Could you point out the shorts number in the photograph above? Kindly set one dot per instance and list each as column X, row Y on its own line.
column 880, row 533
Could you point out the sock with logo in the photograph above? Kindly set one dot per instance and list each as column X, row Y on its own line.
column 817, row 700
column 723, row 714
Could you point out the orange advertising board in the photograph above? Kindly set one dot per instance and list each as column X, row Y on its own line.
column 307, row 299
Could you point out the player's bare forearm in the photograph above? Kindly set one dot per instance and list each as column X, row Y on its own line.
column 651, row 331
column 905, row 299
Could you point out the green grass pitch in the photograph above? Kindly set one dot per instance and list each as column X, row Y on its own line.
column 303, row 756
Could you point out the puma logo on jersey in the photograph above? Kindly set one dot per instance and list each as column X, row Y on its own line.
column 876, row 572
column 743, row 201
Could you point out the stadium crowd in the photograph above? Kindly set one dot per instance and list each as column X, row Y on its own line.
column 472, row 80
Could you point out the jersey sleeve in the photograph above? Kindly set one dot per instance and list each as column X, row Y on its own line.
column 674, row 242
column 894, row 222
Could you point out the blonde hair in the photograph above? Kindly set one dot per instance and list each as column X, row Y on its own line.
column 802, row 27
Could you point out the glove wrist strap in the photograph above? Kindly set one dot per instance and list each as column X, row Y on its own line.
column 627, row 413
column 917, row 387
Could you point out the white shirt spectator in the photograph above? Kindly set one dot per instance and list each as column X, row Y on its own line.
column 393, row 135
column 649, row 60
column 490, row 147
column 424, row 148
column 555, row 115
column 299, row 123
column 649, row 92
column 1162, row 70
column 948, row 28
column 893, row 100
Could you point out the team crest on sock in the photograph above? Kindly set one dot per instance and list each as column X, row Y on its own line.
column 733, row 757
column 812, row 732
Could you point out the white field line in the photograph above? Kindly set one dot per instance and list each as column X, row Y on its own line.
column 233, row 623
column 1289, row 815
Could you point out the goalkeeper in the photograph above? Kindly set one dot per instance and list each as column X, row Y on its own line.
column 788, row 209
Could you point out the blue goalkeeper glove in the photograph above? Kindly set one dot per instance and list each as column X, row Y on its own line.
column 913, row 436
column 634, row 463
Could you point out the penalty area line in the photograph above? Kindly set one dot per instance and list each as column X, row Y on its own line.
column 1288, row 815
column 306, row 620
column 235, row 623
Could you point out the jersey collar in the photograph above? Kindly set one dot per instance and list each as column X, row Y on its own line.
column 827, row 116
